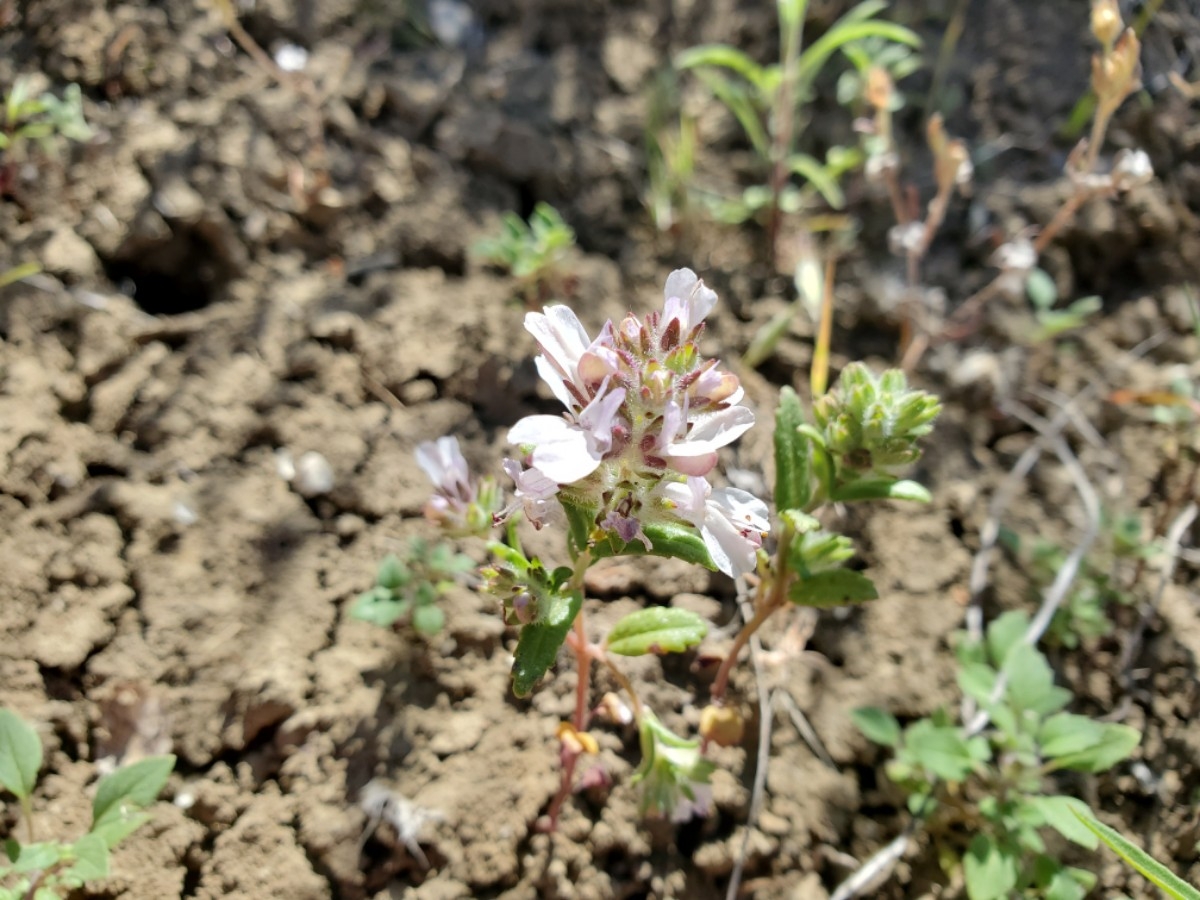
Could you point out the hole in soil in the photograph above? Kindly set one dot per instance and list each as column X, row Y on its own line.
column 172, row 275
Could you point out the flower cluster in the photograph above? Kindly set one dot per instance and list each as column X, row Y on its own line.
column 645, row 416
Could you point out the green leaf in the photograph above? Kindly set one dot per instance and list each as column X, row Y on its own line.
column 1162, row 877
column 1004, row 634
column 1031, row 681
column 877, row 725
column 724, row 57
column 537, row 647
column 32, row 857
column 380, row 606
column 1115, row 743
column 671, row 539
column 881, row 489
column 793, row 468
column 126, row 790
column 977, row 681
column 658, row 629
column 20, row 755
column 1062, row 814
column 842, row 33
column 939, row 748
column 1040, row 288
column 1066, row 733
column 1069, row 884
column 990, row 872
column 816, row 174
column 91, row 859
column 428, row 619
column 766, row 339
column 833, row 588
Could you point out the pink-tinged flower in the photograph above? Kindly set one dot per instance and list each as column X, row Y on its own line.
column 570, row 362
column 688, row 300
column 689, row 444
column 567, row 451
column 731, row 521
column 459, row 504
column 534, row 492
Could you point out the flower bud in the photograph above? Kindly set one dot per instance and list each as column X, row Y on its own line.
column 1106, row 21
column 721, row 725
column 1115, row 74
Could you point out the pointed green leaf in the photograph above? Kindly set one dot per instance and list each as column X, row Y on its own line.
column 882, row 489
column 1030, row 680
column 32, row 857
column 1065, row 733
column 658, row 629
column 537, row 647
column 1062, row 814
column 1162, row 877
column 833, row 588
column 939, row 748
column 818, row 175
column 20, row 755
column 1004, row 634
column 793, row 475
column 428, row 619
column 1115, row 743
column 128, row 789
column 990, row 873
column 724, row 57
column 91, row 859
column 765, row 340
column 877, row 725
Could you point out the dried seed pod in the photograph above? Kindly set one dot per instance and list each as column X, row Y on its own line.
column 1106, row 21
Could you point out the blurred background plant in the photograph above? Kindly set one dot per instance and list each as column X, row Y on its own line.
column 770, row 103
column 37, row 119
column 408, row 589
column 535, row 253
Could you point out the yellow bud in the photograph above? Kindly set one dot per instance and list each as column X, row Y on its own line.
column 575, row 740
column 1106, row 21
column 721, row 725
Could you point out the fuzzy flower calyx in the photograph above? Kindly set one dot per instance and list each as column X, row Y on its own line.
column 643, row 411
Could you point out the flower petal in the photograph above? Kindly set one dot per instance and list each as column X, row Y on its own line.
column 561, row 337
column 560, row 450
column 711, row 431
column 700, row 299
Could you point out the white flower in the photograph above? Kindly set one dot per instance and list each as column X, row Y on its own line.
column 688, row 299
column 443, row 462
column 534, row 491
column 568, row 451
column 731, row 521
column 570, row 362
column 693, row 451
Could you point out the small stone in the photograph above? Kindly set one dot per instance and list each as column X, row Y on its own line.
column 69, row 256
column 314, row 475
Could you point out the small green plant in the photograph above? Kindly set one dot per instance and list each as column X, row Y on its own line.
column 408, row 589
column 533, row 252
column 40, row 120
column 50, row 869
column 988, row 797
column 1051, row 322
column 769, row 102
column 1085, row 611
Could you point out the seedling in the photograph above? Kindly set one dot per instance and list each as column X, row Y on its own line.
column 769, row 102
column 1085, row 612
column 533, row 252
column 987, row 795
column 625, row 471
column 407, row 590
column 49, row 869
column 40, row 120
